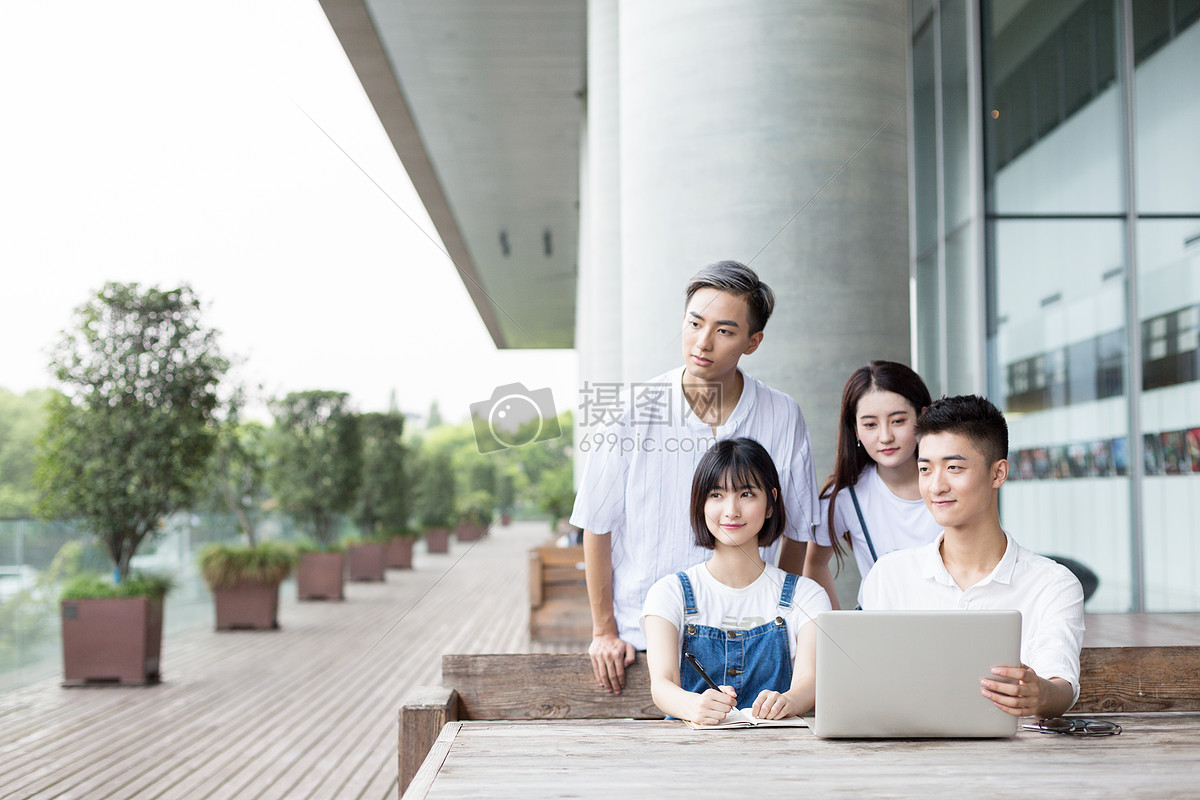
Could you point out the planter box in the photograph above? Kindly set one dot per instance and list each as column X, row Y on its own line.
column 469, row 532
column 111, row 640
column 320, row 576
column 367, row 561
column 248, row 607
column 399, row 552
column 438, row 540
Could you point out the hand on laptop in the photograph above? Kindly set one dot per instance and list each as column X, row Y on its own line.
column 1023, row 693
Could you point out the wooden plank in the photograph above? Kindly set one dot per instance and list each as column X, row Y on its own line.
column 563, row 621
column 305, row 712
column 565, row 573
column 535, row 579
column 422, row 718
column 561, row 556
column 422, row 782
column 544, row 686
column 1153, row 758
column 1127, row 679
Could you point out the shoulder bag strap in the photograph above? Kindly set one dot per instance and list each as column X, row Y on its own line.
column 863, row 523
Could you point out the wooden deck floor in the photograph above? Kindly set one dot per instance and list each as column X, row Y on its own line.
column 310, row 711
column 306, row 712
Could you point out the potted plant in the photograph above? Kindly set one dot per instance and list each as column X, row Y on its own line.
column 475, row 515
column 124, row 447
column 316, row 475
column 366, row 560
column 434, row 501
column 556, row 496
column 244, row 580
column 383, row 508
column 506, row 496
column 112, row 632
column 400, row 549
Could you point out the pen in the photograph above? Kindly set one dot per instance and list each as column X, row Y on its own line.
column 691, row 659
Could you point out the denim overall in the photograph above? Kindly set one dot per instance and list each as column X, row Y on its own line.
column 748, row 660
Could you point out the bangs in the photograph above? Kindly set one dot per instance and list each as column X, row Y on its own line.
column 732, row 465
column 737, row 476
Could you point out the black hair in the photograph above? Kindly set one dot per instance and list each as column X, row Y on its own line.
column 734, row 464
column 971, row 416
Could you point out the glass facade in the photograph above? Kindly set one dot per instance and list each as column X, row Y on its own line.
column 1056, row 267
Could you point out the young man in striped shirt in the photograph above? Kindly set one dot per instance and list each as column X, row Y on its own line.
column 632, row 503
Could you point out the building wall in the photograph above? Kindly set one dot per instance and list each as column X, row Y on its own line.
column 1090, row 270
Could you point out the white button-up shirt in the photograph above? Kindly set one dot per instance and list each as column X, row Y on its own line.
column 1048, row 596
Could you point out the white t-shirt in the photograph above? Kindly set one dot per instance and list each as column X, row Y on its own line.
column 728, row 609
column 637, row 482
column 894, row 523
column 1048, row 596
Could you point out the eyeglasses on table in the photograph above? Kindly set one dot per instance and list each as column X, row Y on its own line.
column 1075, row 726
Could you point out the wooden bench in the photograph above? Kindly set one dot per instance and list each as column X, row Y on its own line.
column 561, row 686
column 558, row 601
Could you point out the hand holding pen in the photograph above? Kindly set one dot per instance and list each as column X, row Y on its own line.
column 711, row 708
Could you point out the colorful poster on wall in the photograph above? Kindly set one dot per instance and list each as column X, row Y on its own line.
column 1192, row 440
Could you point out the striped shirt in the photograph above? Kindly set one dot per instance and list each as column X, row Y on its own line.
column 637, row 481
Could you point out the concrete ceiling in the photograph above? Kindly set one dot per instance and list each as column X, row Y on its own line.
column 484, row 103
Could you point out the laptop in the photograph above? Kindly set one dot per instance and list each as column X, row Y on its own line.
column 912, row 674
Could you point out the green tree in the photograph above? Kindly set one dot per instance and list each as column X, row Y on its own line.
column 317, row 468
column 435, row 493
column 383, row 501
column 435, row 416
column 127, row 442
column 506, row 492
column 236, row 481
column 22, row 419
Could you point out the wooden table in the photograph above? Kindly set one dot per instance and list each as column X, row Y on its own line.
column 1157, row 755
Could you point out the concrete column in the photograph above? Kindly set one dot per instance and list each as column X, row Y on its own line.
column 584, row 309
column 598, row 306
column 736, row 117
column 603, row 289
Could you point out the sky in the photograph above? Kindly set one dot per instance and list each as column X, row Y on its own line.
column 202, row 143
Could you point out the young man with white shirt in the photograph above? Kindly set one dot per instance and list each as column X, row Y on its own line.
column 962, row 457
column 633, row 500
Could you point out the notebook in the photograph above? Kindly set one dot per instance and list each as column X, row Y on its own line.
column 744, row 718
column 912, row 674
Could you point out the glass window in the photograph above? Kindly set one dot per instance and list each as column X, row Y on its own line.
column 1168, row 255
column 1059, row 351
column 925, row 172
column 1053, row 128
column 929, row 327
column 962, row 309
column 956, row 130
column 1168, row 117
column 1151, row 26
